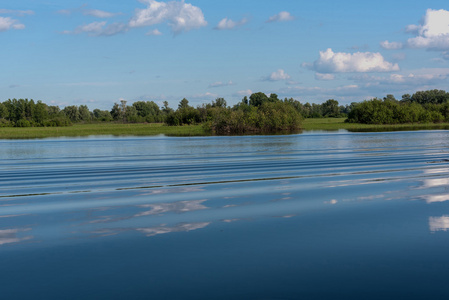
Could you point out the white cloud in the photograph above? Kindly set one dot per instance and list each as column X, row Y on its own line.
column 243, row 93
column 220, row 84
column 179, row 15
column 19, row 13
column 98, row 13
column 391, row 45
column 277, row 76
column 414, row 29
column 99, row 29
column 8, row 23
column 281, row 17
column 205, row 96
column 413, row 79
column 230, row 24
column 154, row 32
column 320, row 76
column 433, row 33
column 340, row 62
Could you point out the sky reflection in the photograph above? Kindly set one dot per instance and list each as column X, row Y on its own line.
column 152, row 231
column 9, row 236
column 439, row 223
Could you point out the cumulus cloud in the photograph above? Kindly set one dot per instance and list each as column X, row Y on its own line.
column 180, row 16
column 391, row 45
column 220, row 84
column 432, row 33
column 340, row 62
column 230, row 24
column 277, row 76
column 283, row 16
column 99, row 29
column 320, row 76
column 8, row 23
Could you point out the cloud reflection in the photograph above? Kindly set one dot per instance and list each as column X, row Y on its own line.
column 178, row 207
column 429, row 183
column 185, row 227
column 436, row 198
column 439, row 223
column 9, row 236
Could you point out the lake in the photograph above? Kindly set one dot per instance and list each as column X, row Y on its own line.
column 318, row 215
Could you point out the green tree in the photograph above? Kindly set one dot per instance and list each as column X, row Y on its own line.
column 102, row 115
column 40, row 113
column 257, row 99
column 390, row 98
column 117, row 112
column 184, row 104
column 3, row 111
column 84, row 113
column 431, row 96
column 219, row 102
column 72, row 113
column 330, row 108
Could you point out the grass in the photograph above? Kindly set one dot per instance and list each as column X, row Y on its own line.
column 339, row 123
column 100, row 129
column 329, row 124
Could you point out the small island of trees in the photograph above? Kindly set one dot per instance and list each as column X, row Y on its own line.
column 256, row 113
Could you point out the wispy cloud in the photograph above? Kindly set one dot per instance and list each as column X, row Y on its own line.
column 283, row 16
column 9, row 23
column 98, row 13
column 99, row 29
column 226, row 24
column 19, row 13
column 391, row 45
column 220, row 84
column 154, row 32
column 320, row 76
column 243, row 93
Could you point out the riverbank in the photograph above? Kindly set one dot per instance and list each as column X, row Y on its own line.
column 100, row 129
column 339, row 123
column 191, row 130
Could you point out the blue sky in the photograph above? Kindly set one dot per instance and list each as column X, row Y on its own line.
column 99, row 52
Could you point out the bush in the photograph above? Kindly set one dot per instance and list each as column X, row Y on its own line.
column 23, row 123
column 58, row 121
column 5, row 123
column 267, row 118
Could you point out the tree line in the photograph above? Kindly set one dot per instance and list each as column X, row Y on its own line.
column 258, row 112
column 422, row 107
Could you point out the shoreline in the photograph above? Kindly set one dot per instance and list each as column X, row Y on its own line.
column 151, row 129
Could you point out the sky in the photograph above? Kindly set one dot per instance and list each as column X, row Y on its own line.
column 98, row 52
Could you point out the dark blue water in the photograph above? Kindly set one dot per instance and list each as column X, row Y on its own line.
column 311, row 216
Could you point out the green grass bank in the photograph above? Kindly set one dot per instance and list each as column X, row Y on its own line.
column 117, row 129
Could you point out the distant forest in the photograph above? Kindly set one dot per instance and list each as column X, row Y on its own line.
column 257, row 112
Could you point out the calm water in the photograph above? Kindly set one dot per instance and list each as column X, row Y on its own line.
column 311, row 216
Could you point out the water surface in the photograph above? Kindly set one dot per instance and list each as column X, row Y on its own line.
column 310, row 216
